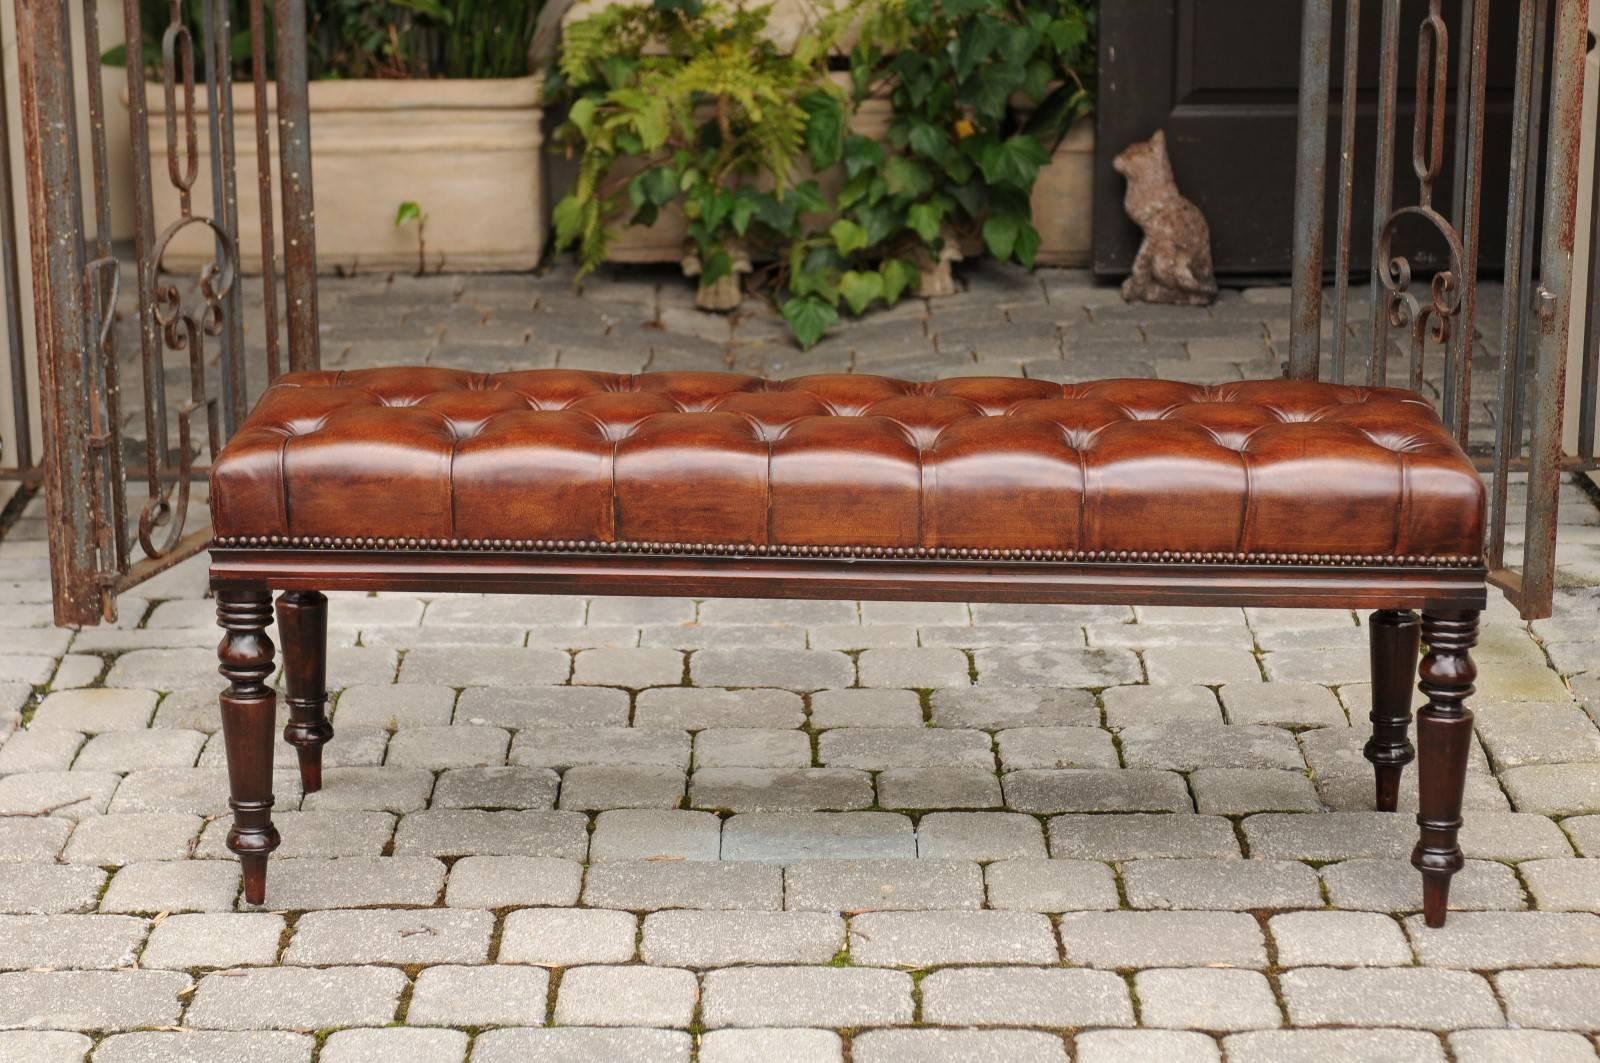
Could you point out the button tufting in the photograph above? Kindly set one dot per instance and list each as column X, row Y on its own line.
column 848, row 461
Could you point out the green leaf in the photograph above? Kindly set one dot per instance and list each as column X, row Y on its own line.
column 657, row 186
column 581, row 115
column 410, row 210
column 1068, row 34
column 619, row 70
column 1028, row 241
column 879, row 220
column 928, row 140
column 860, row 289
column 924, row 220
column 718, row 265
column 861, row 154
column 650, row 115
column 847, row 236
column 1000, row 235
column 976, row 42
column 958, row 9
column 1014, row 162
column 906, row 177
column 688, row 7
column 809, row 317
column 825, row 127
column 807, row 197
column 744, row 208
column 898, row 276
column 569, row 220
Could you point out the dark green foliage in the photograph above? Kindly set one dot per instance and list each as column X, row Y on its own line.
column 375, row 38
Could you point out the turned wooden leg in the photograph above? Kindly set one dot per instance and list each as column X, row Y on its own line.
column 249, row 710
column 1444, row 735
column 1394, row 635
column 303, row 627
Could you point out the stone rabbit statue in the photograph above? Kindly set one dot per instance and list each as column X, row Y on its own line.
column 1174, row 262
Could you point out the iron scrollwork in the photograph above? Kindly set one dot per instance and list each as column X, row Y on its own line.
column 184, row 325
column 1438, row 316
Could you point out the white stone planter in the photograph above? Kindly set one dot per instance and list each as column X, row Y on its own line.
column 1063, row 199
column 468, row 152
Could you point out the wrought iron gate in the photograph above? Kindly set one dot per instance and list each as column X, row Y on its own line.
column 1414, row 329
column 96, row 547
column 196, row 329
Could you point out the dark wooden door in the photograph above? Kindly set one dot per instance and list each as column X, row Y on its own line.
column 1221, row 76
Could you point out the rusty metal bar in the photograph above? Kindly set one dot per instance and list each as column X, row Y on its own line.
column 1383, row 188
column 1310, row 190
column 263, row 111
column 1458, row 367
column 55, row 233
column 299, row 214
column 1347, row 179
column 1458, row 199
column 108, row 499
column 1589, row 389
column 1534, row 592
column 144, row 242
column 11, row 281
column 217, row 31
column 1507, row 441
column 1512, row 413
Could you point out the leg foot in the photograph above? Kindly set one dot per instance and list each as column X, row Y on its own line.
column 249, row 710
column 303, row 626
column 254, row 867
column 1444, row 735
column 1394, row 635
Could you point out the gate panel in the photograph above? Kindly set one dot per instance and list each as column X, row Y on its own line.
column 97, row 547
column 1429, row 324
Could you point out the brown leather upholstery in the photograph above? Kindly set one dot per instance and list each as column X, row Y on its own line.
column 1255, row 468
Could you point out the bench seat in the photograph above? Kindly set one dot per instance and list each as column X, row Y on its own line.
column 1259, row 493
column 1259, row 469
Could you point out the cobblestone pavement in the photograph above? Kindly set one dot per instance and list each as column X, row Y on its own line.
column 653, row 829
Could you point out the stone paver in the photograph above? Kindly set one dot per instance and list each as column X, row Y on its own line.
column 788, row 837
column 397, row 937
column 587, row 1044
column 215, row 939
column 925, row 939
column 393, row 1045
column 806, row 996
column 295, row 998
column 90, row 1000
column 1397, row 996
column 657, row 829
column 882, row 885
column 499, row 995
column 1117, row 940
column 627, row 996
column 1207, row 998
column 1025, row 996
column 910, row 1046
column 564, row 938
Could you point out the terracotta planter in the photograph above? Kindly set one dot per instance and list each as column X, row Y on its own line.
column 469, row 152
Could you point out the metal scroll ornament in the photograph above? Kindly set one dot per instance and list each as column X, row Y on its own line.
column 1436, row 316
column 184, row 324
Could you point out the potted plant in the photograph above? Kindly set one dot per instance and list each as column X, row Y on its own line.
column 412, row 101
column 848, row 188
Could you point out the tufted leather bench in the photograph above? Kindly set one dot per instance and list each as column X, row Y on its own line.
column 1267, row 493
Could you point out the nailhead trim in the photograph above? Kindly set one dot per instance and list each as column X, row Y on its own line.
column 582, row 546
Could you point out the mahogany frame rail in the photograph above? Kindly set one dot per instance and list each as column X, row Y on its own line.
column 1449, row 593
